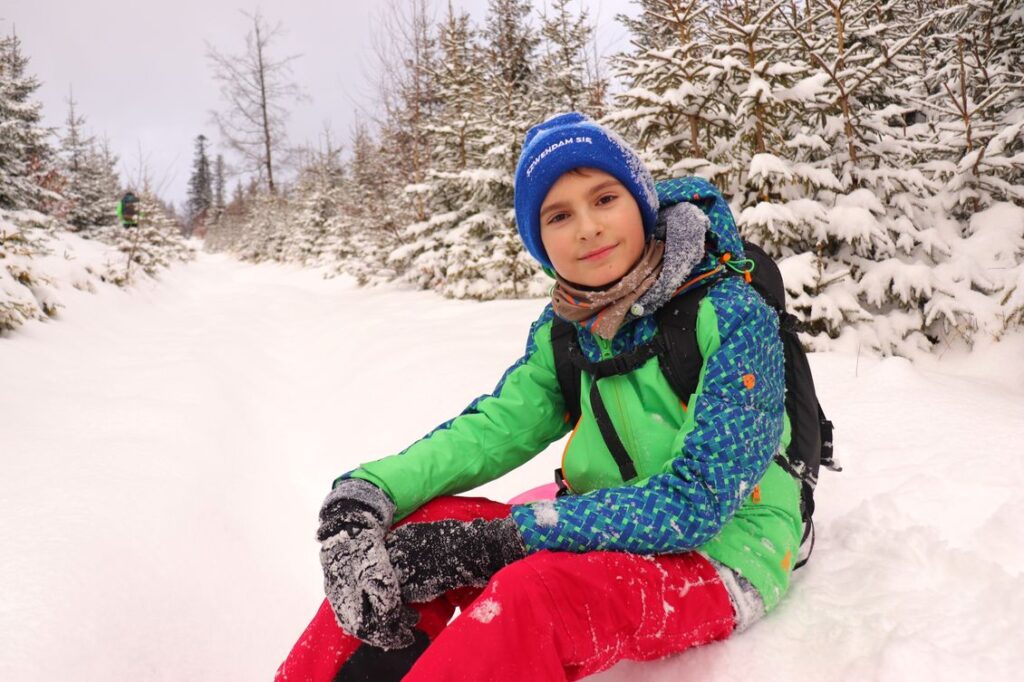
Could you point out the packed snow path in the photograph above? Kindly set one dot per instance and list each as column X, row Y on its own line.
column 165, row 451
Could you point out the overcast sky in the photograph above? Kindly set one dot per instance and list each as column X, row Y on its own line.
column 141, row 77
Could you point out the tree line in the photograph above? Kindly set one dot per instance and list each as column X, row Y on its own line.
column 874, row 147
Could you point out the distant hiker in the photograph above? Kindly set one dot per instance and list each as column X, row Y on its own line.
column 128, row 210
column 679, row 518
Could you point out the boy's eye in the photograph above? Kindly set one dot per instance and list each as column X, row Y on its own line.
column 557, row 217
column 606, row 198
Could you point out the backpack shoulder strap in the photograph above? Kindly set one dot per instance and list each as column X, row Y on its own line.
column 677, row 324
column 563, row 335
column 767, row 278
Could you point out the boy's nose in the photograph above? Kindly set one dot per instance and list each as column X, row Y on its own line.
column 589, row 227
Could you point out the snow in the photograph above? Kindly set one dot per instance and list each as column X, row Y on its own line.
column 767, row 165
column 809, row 88
column 545, row 513
column 485, row 611
column 166, row 449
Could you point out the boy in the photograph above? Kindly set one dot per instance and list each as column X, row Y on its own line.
column 676, row 526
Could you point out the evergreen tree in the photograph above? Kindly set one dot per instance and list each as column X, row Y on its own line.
column 868, row 231
column 25, row 154
column 315, row 206
column 456, row 130
column 228, row 231
column 90, row 184
column 670, row 104
column 24, row 293
column 410, row 104
column 486, row 258
column 200, row 188
column 110, row 180
column 570, row 77
column 374, row 218
column 218, row 189
column 975, row 108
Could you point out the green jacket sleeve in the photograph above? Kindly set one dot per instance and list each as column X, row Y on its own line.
column 495, row 434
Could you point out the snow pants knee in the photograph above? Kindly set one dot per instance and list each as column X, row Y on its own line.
column 550, row 616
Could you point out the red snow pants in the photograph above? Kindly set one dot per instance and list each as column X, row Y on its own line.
column 550, row 616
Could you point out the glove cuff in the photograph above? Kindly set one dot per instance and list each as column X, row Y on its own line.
column 367, row 495
column 507, row 545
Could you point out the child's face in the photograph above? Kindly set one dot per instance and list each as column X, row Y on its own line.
column 591, row 227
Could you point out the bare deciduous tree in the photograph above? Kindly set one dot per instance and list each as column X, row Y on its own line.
column 256, row 88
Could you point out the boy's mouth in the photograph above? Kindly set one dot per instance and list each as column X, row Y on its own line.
column 598, row 253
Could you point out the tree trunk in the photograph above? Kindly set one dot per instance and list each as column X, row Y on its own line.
column 261, row 74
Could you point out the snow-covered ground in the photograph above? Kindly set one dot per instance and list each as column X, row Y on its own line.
column 164, row 452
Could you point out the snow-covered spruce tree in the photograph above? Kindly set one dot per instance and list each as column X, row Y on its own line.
column 25, row 152
column 772, row 161
column 859, row 269
column 669, row 106
column 200, row 189
column 218, row 192
column 975, row 106
column 486, row 258
column 110, row 180
column 315, row 207
column 26, row 181
column 90, row 185
column 228, row 232
column 24, row 290
column 370, row 210
column 410, row 105
column 569, row 74
column 407, row 53
column 764, row 93
column 456, row 131
column 266, row 227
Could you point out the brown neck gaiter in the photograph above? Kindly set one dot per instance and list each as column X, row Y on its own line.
column 602, row 311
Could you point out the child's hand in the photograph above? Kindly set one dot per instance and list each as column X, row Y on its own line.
column 359, row 580
column 433, row 558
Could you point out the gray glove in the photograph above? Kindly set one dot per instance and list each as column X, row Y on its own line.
column 359, row 580
column 433, row 558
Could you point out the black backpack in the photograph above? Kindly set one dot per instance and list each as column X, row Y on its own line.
column 129, row 206
column 675, row 345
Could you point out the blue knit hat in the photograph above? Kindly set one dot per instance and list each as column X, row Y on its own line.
column 565, row 142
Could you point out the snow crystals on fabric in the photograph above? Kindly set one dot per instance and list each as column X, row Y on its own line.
column 545, row 513
column 706, row 196
column 640, row 175
column 684, row 227
column 486, row 611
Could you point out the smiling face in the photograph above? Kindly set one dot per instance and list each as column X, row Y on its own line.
column 591, row 227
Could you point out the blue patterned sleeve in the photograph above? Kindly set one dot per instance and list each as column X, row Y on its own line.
column 738, row 422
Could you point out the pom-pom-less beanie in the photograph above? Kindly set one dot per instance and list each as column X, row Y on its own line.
column 565, row 142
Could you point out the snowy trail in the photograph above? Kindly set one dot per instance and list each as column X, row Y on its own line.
column 165, row 452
